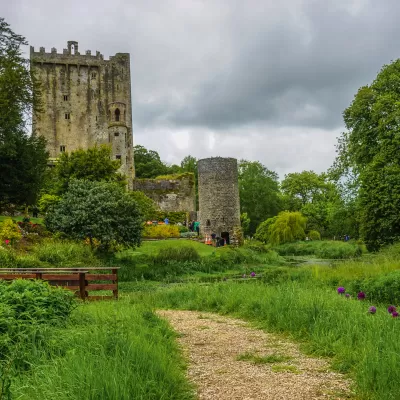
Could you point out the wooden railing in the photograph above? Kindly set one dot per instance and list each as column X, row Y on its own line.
column 80, row 280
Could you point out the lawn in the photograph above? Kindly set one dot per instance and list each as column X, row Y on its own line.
column 152, row 247
column 20, row 218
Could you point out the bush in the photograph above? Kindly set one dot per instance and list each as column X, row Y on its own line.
column 161, row 231
column 47, row 201
column 188, row 234
column 99, row 210
column 184, row 253
column 314, row 235
column 9, row 230
column 8, row 258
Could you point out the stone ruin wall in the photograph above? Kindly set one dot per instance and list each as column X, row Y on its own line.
column 219, row 204
column 170, row 194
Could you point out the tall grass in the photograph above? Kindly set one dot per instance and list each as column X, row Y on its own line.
column 322, row 249
column 110, row 351
column 65, row 254
column 367, row 346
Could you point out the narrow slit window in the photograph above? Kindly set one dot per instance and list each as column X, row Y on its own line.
column 65, row 97
column 93, row 75
column 117, row 114
column 67, row 116
column 62, row 149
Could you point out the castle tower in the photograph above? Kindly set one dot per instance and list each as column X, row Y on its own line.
column 81, row 95
column 219, row 204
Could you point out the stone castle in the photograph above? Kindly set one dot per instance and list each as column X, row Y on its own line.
column 86, row 102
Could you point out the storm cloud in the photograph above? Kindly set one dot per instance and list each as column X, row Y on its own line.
column 260, row 80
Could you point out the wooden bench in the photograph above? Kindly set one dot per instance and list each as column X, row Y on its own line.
column 80, row 280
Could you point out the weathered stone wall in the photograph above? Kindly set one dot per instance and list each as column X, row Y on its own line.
column 170, row 194
column 219, row 204
column 80, row 95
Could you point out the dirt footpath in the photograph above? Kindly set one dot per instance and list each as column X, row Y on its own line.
column 228, row 360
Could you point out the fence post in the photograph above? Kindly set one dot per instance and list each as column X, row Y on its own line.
column 115, row 292
column 82, row 284
column 38, row 275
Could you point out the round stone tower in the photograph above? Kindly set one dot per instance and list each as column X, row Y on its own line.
column 219, row 205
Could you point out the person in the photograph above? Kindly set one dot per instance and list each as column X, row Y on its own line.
column 213, row 236
column 191, row 226
column 196, row 227
column 166, row 221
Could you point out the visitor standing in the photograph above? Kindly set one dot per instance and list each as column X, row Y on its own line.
column 166, row 221
column 196, row 227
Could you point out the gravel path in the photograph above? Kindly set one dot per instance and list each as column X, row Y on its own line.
column 270, row 366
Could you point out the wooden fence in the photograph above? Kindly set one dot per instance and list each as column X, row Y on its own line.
column 80, row 280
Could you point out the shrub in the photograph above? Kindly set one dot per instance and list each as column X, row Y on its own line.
column 188, row 234
column 98, row 210
column 161, row 231
column 47, row 201
column 314, row 235
column 9, row 230
column 184, row 253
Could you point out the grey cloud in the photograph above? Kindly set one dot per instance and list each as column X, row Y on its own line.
column 264, row 80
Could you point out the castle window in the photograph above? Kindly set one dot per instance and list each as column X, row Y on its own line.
column 96, row 117
column 116, row 134
column 118, row 157
column 117, row 114
column 93, row 75
column 65, row 97
column 208, row 223
column 67, row 116
column 62, row 149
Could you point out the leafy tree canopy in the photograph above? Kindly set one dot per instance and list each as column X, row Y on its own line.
column 287, row 227
column 369, row 152
column 97, row 210
column 259, row 192
column 148, row 163
column 94, row 164
column 23, row 158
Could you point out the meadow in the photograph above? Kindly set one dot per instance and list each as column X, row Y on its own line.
column 294, row 298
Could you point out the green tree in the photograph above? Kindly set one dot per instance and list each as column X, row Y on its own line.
column 315, row 195
column 369, row 158
column 148, row 163
column 259, row 192
column 245, row 223
column 97, row 210
column 23, row 158
column 264, row 229
column 94, row 164
column 147, row 207
column 189, row 164
column 287, row 227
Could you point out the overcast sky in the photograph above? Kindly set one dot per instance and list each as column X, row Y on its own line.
column 263, row 80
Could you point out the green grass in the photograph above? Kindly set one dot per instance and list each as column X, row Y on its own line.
column 366, row 346
column 110, row 350
column 152, row 247
column 256, row 359
column 20, row 218
column 325, row 249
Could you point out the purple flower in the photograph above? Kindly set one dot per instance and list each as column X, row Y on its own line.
column 253, row 274
column 395, row 314
column 372, row 310
column 361, row 296
column 391, row 309
column 347, row 295
column 341, row 290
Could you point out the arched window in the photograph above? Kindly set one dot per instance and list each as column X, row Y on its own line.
column 117, row 114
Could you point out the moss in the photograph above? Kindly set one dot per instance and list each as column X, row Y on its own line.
column 177, row 177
